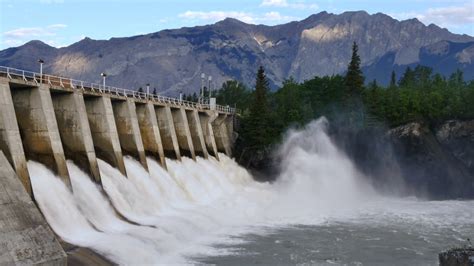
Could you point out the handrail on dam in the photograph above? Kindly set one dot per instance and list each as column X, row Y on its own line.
column 69, row 83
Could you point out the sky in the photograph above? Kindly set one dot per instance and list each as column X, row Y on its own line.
column 60, row 23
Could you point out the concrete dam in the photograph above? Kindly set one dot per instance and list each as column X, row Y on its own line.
column 51, row 119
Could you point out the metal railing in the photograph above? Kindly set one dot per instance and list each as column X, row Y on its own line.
column 68, row 83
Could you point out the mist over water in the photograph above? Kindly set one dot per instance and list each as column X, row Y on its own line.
column 205, row 208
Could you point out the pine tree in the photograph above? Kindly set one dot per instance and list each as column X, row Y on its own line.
column 140, row 89
column 393, row 79
column 260, row 104
column 408, row 78
column 354, row 86
column 354, row 77
column 258, row 131
column 155, row 92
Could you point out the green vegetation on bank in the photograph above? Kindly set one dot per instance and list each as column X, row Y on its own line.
column 418, row 95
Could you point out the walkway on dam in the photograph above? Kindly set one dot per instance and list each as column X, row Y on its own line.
column 52, row 119
column 64, row 83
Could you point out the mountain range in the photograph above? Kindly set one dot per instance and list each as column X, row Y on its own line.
column 173, row 60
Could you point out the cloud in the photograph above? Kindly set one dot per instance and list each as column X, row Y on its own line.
column 213, row 16
column 450, row 15
column 22, row 35
column 299, row 4
column 443, row 16
column 217, row 15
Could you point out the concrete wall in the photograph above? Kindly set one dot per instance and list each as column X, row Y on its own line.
column 104, row 132
column 39, row 129
column 71, row 116
column 207, row 118
column 221, row 134
column 197, row 136
column 183, row 133
column 167, row 132
column 150, row 132
column 128, row 130
column 25, row 237
column 10, row 139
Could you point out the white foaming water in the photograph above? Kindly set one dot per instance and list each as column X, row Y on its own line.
column 168, row 216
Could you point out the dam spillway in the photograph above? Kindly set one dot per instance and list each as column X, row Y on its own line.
column 52, row 119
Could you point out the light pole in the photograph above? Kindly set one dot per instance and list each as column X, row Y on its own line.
column 209, row 87
column 203, row 78
column 103, row 79
column 41, row 62
column 148, row 91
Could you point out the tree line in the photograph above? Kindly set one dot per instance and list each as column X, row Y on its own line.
column 418, row 95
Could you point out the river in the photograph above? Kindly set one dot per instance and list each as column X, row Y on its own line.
column 321, row 210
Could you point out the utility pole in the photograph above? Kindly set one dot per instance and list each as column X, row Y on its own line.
column 209, row 87
column 41, row 62
column 103, row 79
column 147, row 91
column 203, row 78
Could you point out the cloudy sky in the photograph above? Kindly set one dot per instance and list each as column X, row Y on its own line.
column 63, row 22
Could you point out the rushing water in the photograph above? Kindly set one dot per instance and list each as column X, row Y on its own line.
column 320, row 211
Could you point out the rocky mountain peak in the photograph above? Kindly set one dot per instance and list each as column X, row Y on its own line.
column 173, row 60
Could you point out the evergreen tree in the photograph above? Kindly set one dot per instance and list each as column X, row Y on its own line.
column 354, row 88
column 234, row 93
column 258, row 126
column 408, row 79
column 354, row 77
column 140, row 89
column 260, row 104
column 373, row 85
column 155, row 92
column 393, row 79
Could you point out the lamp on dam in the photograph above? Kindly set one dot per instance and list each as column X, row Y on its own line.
column 203, row 80
column 148, row 91
column 209, row 86
column 103, row 78
column 41, row 62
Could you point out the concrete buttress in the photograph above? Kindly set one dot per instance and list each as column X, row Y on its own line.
column 75, row 132
column 10, row 139
column 150, row 131
column 104, row 131
column 183, row 133
column 39, row 129
column 207, row 118
column 128, row 130
column 168, row 132
column 194, row 122
column 25, row 237
column 221, row 134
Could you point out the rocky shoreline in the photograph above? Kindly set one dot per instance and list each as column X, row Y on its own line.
column 457, row 257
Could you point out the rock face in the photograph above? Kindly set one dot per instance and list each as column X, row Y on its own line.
column 437, row 163
column 172, row 60
column 458, row 138
column 457, row 257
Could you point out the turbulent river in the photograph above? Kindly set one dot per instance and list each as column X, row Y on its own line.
column 319, row 211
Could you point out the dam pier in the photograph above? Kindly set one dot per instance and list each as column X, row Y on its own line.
column 51, row 119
